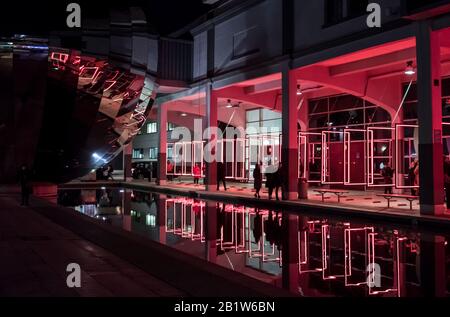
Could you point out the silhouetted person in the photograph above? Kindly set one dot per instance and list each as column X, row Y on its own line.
column 279, row 181
column 388, row 174
column 257, row 176
column 24, row 180
column 270, row 178
column 170, row 171
column 412, row 176
column 109, row 172
column 447, row 181
column 221, row 175
column 257, row 227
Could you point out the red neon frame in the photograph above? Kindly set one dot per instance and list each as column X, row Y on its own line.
column 324, row 164
column 398, row 157
column 370, row 156
column 347, row 153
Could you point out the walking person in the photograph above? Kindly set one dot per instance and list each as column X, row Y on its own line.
column 257, row 176
column 221, row 175
column 24, row 180
column 388, row 174
column 270, row 179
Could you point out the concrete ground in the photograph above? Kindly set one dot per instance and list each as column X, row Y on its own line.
column 34, row 254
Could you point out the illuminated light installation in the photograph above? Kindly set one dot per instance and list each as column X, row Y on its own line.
column 328, row 178
column 350, row 163
column 371, row 156
column 398, row 174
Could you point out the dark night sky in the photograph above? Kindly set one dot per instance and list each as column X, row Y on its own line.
column 39, row 17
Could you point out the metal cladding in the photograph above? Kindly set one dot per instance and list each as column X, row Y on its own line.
column 72, row 109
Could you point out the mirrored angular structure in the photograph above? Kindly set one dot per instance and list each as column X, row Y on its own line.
column 67, row 111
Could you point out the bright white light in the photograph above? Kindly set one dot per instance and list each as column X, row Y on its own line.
column 383, row 148
column 409, row 69
column 184, row 114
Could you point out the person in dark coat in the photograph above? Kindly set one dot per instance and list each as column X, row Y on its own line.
column 221, row 175
column 412, row 176
column 278, row 181
column 270, row 179
column 388, row 174
column 257, row 176
column 24, row 180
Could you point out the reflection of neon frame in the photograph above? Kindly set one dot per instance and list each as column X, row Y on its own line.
column 347, row 155
column 325, row 245
column 245, row 238
column 228, row 245
column 370, row 157
column 303, row 146
column 371, row 249
column 260, row 251
column 303, row 240
column 348, row 252
column 398, row 157
column 324, row 163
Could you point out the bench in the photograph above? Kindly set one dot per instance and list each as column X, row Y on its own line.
column 338, row 193
column 409, row 198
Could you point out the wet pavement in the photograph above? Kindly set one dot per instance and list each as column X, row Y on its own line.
column 35, row 252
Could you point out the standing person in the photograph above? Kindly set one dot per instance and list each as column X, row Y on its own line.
column 197, row 173
column 24, row 179
column 257, row 176
column 387, row 173
column 279, row 181
column 110, row 171
column 270, row 179
column 416, row 179
column 412, row 176
column 221, row 175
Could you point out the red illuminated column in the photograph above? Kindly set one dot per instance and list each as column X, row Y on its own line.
column 290, row 253
column 431, row 179
column 161, row 218
column 162, row 144
column 431, row 266
column 211, row 231
column 289, row 153
column 211, row 139
column 127, row 160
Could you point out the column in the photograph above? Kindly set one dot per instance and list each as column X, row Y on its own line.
column 431, row 266
column 161, row 217
column 211, row 140
column 211, row 231
column 290, row 271
column 127, row 161
column 289, row 152
column 431, row 179
column 162, row 145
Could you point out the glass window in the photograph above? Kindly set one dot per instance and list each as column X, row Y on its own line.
column 138, row 153
column 318, row 106
column 153, row 153
column 170, row 126
column 152, row 127
column 253, row 115
column 270, row 115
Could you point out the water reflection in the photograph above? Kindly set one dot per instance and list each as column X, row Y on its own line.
column 308, row 255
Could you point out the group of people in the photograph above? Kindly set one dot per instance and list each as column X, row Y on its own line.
column 274, row 180
column 413, row 177
column 104, row 173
